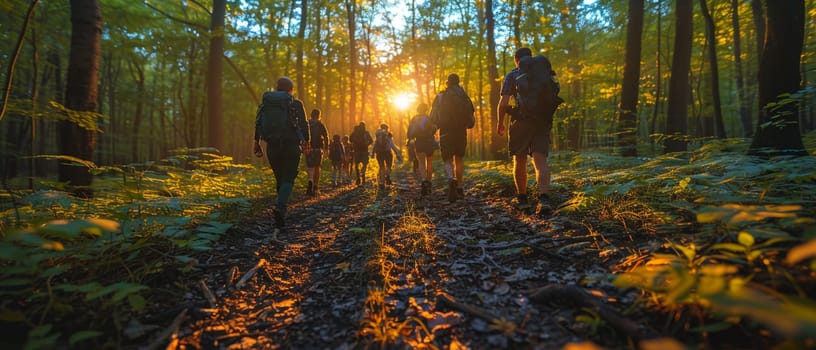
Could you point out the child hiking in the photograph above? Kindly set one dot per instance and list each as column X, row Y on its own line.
column 360, row 140
column 421, row 131
column 337, row 155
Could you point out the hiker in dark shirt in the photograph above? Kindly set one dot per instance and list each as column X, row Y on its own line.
column 360, row 140
column 383, row 145
column 452, row 111
column 337, row 155
column 526, row 137
column 319, row 141
column 283, row 144
column 421, row 132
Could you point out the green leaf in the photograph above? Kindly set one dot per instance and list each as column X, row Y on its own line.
column 136, row 302
column 125, row 289
column 83, row 335
column 733, row 247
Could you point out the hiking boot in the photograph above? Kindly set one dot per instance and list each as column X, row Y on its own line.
column 358, row 181
column 544, row 208
column 452, row 194
column 426, row 188
column 460, row 192
column 388, row 179
column 279, row 214
column 521, row 202
column 310, row 189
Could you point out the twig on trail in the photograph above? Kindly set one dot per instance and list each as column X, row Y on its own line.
column 581, row 298
column 447, row 300
column 233, row 275
column 261, row 263
column 207, row 293
column 169, row 332
column 485, row 258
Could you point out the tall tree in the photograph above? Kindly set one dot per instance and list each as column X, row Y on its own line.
column 301, row 39
column 215, row 76
column 496, row 141
column 627, row 115
column 742, row 102
column 351, row 13
column 779, row 75
column 679, row 88
column 81, row 93
column 711, row 38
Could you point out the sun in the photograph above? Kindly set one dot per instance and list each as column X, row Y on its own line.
column 403, row 100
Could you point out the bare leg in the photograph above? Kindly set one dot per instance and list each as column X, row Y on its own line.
column 520, row 173
column 542, row 172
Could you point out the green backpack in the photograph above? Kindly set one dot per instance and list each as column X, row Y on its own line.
column 275, row 118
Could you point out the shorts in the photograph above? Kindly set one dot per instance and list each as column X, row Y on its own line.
column 425, row 145
column 528, row 136
column 452, row 143
column 314, row 158
column 361, row 156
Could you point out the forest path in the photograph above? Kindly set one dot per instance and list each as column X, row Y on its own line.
column 359, row 266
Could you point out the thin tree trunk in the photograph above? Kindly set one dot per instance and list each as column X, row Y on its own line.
column 351, row 13
column 677, row 118
column 215, row 75
column 14, row 57
column 658, row 75
column 719, row 126
column 301, row 40
column 627, row 115
column 743, row 111
column 496, row 141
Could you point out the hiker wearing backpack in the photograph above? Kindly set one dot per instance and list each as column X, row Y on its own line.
column 337, row 155
column 319, row 140
column 535, row 91
column 421, row 131
column 348, row 160
column 360, row 140
column 383, row 145
column 281, row 123
column 452, row 112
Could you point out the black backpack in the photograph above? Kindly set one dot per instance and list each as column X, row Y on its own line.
column 360, row 138
column 537, row 88
column 453, row 109
column 381, row 142
column 275, row 118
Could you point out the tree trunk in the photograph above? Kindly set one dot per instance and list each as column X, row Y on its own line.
column 627, row 115
column 215, row 75
column 759, row 24
column 658, row 74
column 351, row 13
column 81, row 91
column 742, row 101
column 778, row 130
column 679, row 89
column 139, row 79
column 497, row 142
column 301, row 40
column 710, row 32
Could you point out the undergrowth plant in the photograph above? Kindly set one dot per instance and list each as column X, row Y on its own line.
column 74, row 271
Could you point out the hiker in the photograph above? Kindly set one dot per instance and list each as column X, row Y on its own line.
column 452, row 111
column 529, row 134
column 337, row 155
column 383, row 145
column 348, row 160
column 281, row 123
column 319, row 140
column 421, row 131
column 360, row 140
column 411, row 148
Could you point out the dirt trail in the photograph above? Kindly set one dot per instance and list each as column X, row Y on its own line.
column 358, row 267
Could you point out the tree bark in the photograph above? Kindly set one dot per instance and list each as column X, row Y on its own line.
column 351, row 13
column 627, row 115
column 81, row 93
column 742, row 101
column 710, row 32
column 496, row 141
column 779, row 74
column 301, row 40
column 215, row 75
column 679, row 88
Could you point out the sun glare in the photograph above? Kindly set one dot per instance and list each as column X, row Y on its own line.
column 403, row 100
